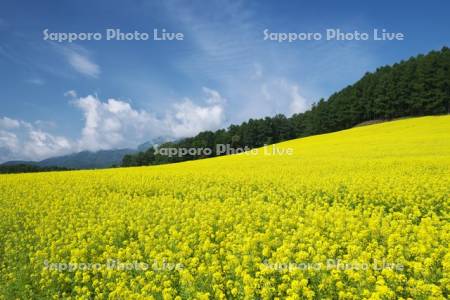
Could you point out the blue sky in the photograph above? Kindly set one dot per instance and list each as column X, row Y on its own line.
column 58, row 98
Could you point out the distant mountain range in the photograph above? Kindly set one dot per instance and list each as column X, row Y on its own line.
column 88, row 159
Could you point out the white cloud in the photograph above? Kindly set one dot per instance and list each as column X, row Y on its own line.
column 70, row 94
column 114, row 123
column 79, row 59
column 298, row 103
column 111, row 124
column 212, row 96
column 8, row 140
column 8, row 123
column 22, row 140
column 41, row 144
column 189, row 119
column 271, row 96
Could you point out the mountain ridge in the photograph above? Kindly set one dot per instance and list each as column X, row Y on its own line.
column 86, row 159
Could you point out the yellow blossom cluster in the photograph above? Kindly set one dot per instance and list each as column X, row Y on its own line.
column 357, row 214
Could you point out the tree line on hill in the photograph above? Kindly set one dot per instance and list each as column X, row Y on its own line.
column 416, row 87
column 26, row 168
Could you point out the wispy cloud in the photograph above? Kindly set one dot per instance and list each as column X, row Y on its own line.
column 36, row 81
column 79, row 59
column 230, row 52
column 225, row 41
column 259, row 77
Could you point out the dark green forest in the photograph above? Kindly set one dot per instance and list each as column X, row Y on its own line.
column 416, row 87
column 26, row 168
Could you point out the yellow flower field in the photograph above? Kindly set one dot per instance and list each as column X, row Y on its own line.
column 357, row 214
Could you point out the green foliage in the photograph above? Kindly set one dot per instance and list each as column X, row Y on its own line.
column 24, row 168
